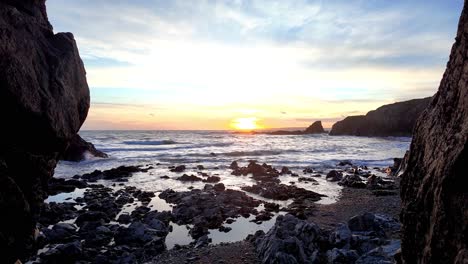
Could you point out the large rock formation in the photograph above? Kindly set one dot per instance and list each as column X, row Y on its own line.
column 396, row 119
column 44, row 99
column 78, row 149
column 434, row 187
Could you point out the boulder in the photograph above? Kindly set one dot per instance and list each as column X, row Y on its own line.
column 334, row 176
column 353, row 181
column 290, row 240
column 434, row 185
column 397, row 119
column 78, row 148
column 44, row 99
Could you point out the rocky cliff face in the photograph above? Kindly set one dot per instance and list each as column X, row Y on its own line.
column 44, row 99
column 396, row 119
column 434, row 187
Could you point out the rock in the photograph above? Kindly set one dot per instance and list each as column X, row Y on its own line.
column 345, row 163
column 117, row 174
column 376, row 256
column 334, row 176
column 397, row 119
column 139, row 234
column 212, row 179
column 44, row 99
column 234, row 165
column 200, row 167
column 434, row 185
column 285, row 170
column 191, row 178
column 199, row 231
column 219, row 187
column 91, row 216
column 341, row 256
column 353, row 181
column 60, row 232
column 307, row 180
column 78, row 148
column 64, row 253
column 208, row 208
column 263, row 173
column 179, row 168
column 378, row 225
column 290, row 240
column 401, row 169
column 377, row 183
column 341, row 236
column 53, row 212
column 145, row 197
column 202, row 241
column 281, row 192
column 57, row 186
column 224, row 229
column 315, row 128
column 124, row 218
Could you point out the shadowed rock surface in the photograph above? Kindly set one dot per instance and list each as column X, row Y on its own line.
column 44, row 99
column 396, row 119
column 78, row 148
column 434, row 186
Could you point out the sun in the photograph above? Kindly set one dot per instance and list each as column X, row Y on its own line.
column 245, row 123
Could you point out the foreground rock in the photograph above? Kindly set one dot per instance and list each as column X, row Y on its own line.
column 396, row 119
column 208, row 208
column 121, row 173
column 434, row 186
column 88, row 238
column 262, row 173
column 44, row 99
column 366, row 238
column 78, row 149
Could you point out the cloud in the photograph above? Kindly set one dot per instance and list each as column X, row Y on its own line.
column 263, row 55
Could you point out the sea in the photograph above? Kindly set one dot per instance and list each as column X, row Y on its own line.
column 215, row 150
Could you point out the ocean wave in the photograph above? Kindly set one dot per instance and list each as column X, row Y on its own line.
column 251, row 153
column 151, row 142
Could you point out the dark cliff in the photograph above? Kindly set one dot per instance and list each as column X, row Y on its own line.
column 44, row 99
column 434, row 187
column 396, row 119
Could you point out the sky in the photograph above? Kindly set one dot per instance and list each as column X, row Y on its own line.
column 188, row 64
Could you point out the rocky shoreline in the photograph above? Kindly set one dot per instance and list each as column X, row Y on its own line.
column 115, row 223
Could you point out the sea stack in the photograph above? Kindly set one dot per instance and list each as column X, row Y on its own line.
column 44, row 99
column 434, row 187
column 315, row 128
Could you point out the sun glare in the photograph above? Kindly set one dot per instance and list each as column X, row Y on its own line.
column 245, row 123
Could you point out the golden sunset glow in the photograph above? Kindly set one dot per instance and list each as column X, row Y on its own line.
column 245, row 123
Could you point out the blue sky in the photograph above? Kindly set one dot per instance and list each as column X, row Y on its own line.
column 201, row 64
